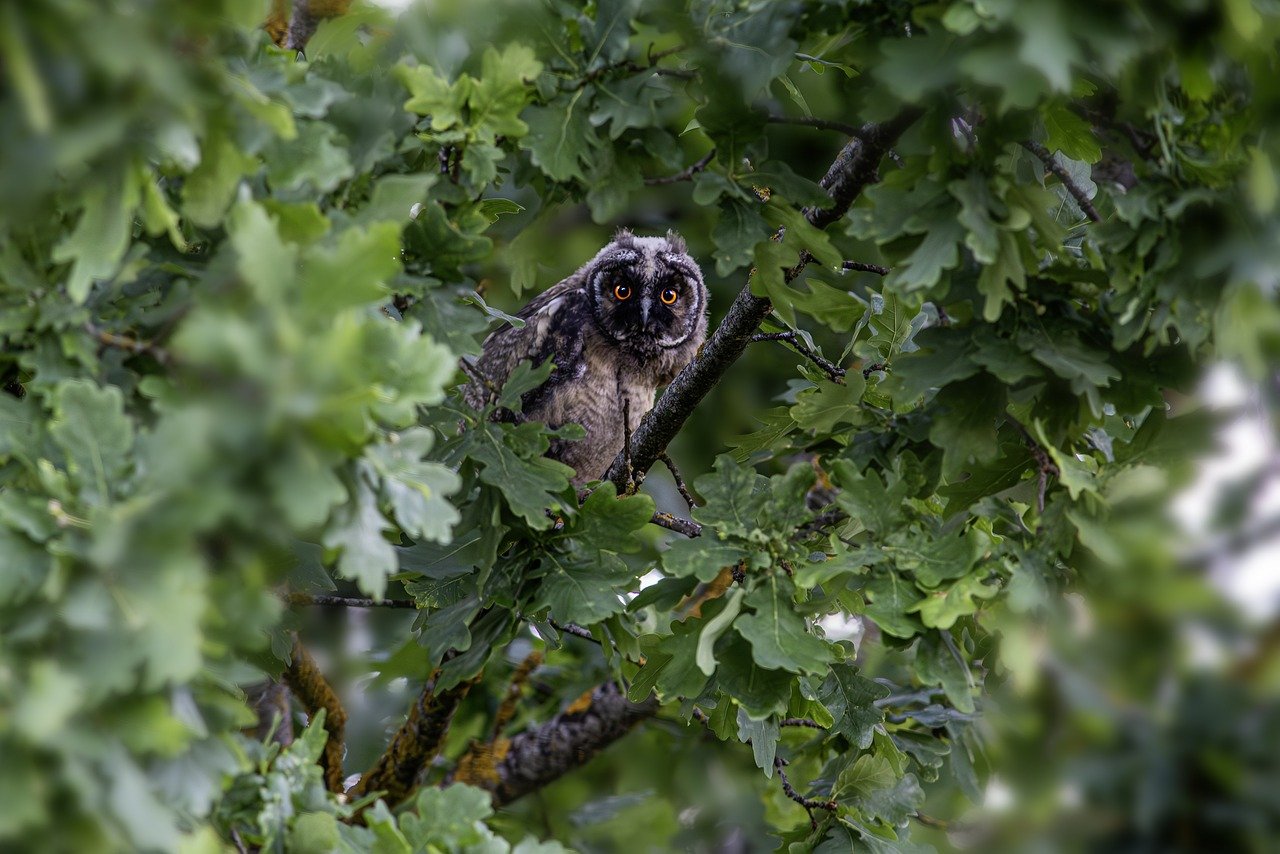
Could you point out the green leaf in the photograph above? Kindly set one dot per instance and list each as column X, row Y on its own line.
column 827, row 404
column 393, row 198
column 892, row 602
column 851, row 700
column 939, row 662
column 714, row 627
column 965, row 426
column 868, row 773
column 101, row 237
column 941, row 608
column 353, row 273
column 943, row 358
column 701, row 557
column 865, row 496
column 759, row 692
column 1070, row 134
column 995, row 278
column 735, row 496
column 417, row 489
column 528, row 485
column 763, row 735
column 560, row 137
column 583, row 585
column 834, row 308
column 738, row 229
column 367, row 557
column 90, row 426
column 933, row 561
column 778, row 635
column 629, row 103
column 304, row 486
column 314, row 160
column 502, row 91
column 209, row 189
column 938, row 251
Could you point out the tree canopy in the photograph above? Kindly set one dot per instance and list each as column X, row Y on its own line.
column 268, row 582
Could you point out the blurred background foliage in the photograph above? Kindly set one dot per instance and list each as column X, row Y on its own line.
column 234, row 287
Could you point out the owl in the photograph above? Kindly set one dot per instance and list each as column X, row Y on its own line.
column 616, row 330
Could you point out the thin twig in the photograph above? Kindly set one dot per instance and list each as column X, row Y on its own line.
column 863, row 267
column 125, row 342
column 1044, row 463
column 832, row 370
column 1050, row 163
column 685, row 174
column 630, row 65
column 873, row 367
column 675, row 523
column 813, row 122
column 809, row 804
column 575, row 630
column 801, row 722
column 680, row 484
column 348, row 601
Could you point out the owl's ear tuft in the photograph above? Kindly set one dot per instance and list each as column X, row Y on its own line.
column 623, row 237
column 676, row 241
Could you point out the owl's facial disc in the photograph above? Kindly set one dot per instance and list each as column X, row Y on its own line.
column 645, row 296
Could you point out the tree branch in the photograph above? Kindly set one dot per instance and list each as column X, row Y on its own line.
column 133, row 345
column 415, row 744
column 675, row 523
column 854, row 169
column 348, row 601
column 863, row 267
column 680, row 484
column 1077, row 193
column 809, row 804
column 812, row 122
column 307, row 683
column 685, row 174
column 572, row 738
column 801, row 722
column 832, row 370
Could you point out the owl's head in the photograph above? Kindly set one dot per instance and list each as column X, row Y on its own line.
column 647, row 294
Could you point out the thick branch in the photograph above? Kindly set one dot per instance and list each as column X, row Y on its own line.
column 853, row 170
column 547, row 752
column 414, row 745
column 307, row 683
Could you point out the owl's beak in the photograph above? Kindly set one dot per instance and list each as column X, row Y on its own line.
column 644, row 312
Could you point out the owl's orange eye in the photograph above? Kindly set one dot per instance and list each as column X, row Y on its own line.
column 622, row 292
column 669, row 296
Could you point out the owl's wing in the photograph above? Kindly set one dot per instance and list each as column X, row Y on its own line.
column 555, row 325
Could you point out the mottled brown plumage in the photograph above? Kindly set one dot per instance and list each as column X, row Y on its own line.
column 619, row 328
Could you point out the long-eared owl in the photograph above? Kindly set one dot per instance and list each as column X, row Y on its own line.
column 616, row 330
